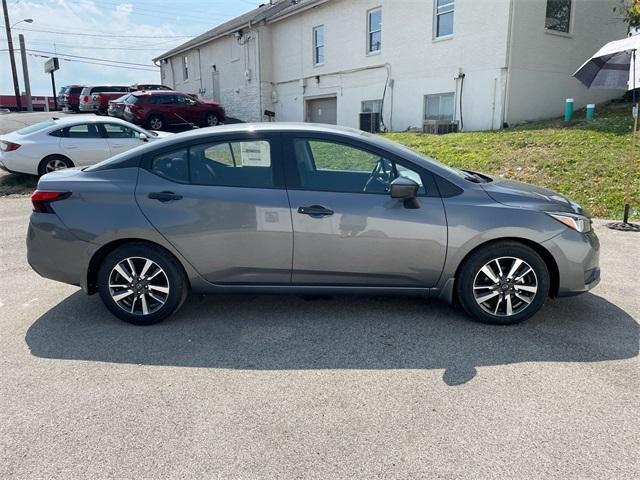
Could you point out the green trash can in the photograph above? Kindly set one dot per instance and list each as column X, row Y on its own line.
column 568, row 109
column 591, row 110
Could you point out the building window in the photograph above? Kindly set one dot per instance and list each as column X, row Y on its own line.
column 439, row 107
column 444, row 18
column 558, row 17
column 374, row 29
column 185, row 67
column 318, row 45
column 371, row 106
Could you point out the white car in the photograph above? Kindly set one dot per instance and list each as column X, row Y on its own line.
column 69, row 142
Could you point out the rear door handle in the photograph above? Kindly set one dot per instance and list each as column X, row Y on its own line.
column 165, row 196
column 316, row 211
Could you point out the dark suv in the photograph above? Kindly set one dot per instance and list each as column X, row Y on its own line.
column 160, row 108
column 70, row 97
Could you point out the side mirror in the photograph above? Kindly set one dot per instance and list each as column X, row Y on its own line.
column 143, row 137
column 404, row 188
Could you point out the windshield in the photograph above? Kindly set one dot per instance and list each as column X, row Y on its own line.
column 36, row 127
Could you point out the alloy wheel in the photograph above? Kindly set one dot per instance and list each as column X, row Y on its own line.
column 212, row 120
column 155, row 123
column 55, row 164
column 505, row 286
column 138, row 285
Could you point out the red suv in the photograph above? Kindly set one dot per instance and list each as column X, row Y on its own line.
column 160, row 108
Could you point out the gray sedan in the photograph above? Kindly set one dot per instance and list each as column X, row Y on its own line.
column 308, row 209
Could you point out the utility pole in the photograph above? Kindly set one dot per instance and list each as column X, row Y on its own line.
column 25, row 73
column 14, row 72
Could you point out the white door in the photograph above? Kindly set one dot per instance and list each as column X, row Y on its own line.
column 121, row 138
column 84, row 144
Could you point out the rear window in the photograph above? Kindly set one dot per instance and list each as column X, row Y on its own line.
column 36, row 127
column 75, row 90
column 131, row 99
column 110, row 89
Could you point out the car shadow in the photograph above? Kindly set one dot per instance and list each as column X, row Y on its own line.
column 289, row 332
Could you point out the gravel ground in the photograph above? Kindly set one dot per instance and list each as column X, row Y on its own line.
column 347, row 387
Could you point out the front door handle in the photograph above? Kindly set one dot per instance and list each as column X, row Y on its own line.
column 316, row 211
column 165, row 196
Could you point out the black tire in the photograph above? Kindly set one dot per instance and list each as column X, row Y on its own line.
column 505, row 251
column 48, row 162
column 155, row 122
column 211, row 119
column 176, row 282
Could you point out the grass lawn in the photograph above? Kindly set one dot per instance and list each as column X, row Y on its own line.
column 586, row 161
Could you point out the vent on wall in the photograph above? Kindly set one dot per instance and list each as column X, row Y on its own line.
column 439, row 127
column 370, row 122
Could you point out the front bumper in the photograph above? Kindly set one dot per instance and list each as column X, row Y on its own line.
column 577, row 256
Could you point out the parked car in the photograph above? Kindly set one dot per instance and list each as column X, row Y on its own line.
column 116, row 107
column 96, row 98
column 300, row 208
column 159, row 109
column 67, row 142
column 149, row 86
column 71, row 98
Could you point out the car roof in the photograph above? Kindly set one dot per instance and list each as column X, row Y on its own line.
column 79, row 119
column 139, row 93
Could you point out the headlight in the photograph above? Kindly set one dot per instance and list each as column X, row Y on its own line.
column 571, row 220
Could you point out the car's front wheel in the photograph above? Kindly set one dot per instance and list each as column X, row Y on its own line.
column 142, row 284
column 503, row 283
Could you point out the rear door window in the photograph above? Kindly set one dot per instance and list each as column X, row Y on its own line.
column 242, row 163
column 232, row 164
column 84, row 130
column 172, row 165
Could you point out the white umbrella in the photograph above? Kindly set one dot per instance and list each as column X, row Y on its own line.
column 614, row 66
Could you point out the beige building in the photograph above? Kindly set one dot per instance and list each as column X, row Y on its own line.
column 477, row 63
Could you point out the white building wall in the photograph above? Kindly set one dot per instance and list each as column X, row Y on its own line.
column 534, row 85
column 418, row 63
column 236, row 71
column 542, row 63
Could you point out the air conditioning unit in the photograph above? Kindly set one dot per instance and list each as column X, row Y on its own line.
column 370, row 122
column 439, row 127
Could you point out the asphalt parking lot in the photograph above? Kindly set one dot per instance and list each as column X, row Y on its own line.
column 283, row 387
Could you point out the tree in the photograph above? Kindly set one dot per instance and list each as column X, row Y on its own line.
column 629, row 11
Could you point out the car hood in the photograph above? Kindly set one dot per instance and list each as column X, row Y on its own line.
column 519, row 194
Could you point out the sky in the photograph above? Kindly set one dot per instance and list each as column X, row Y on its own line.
column 132, row 31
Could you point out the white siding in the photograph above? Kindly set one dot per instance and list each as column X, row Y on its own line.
column 532, row 74
column 542, row 63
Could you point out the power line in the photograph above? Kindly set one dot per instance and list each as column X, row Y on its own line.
column 92, row 63
column 102, row 35
column 90, row 58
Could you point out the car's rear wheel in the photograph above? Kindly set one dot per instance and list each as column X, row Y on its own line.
column 503, row 283
column 52, row 163
column 142, row 284
column 155, row 122
column 211, row 120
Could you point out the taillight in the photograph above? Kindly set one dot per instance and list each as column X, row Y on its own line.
column 41, row 200
column 85, row 98
column 8, row 146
